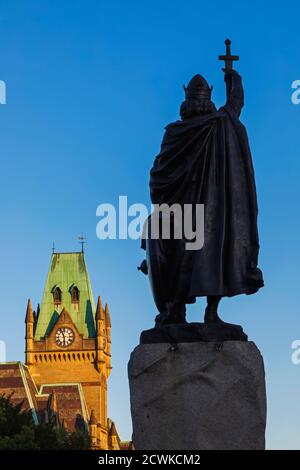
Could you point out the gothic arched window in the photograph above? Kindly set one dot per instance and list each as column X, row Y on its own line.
column 75, row 295
column 57, row 295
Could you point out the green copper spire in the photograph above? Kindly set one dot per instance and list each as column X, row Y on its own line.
column 68, row 286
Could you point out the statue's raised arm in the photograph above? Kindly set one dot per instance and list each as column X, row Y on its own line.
column 234, row 91
column 234, row 87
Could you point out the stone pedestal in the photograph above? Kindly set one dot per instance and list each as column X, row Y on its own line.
column 197, row 396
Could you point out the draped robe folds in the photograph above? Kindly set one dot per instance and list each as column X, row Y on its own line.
column 206, row 160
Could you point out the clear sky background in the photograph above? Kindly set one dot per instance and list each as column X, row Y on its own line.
column 90, row 87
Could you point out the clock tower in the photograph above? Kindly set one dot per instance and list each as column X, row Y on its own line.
column 68, row 342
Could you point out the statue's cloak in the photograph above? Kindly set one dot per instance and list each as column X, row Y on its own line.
column 207, row 160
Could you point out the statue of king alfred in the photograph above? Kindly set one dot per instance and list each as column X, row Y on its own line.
column 205, row 159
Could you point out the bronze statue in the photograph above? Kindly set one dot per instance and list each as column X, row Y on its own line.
column 205, row 159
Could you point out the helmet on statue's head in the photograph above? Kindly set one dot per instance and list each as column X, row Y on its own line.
column 198, row 88
column 197, row 98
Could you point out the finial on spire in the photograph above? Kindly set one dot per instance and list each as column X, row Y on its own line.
column 113, row 431
column 53, row 248
column 29, row 313
column 99, row 311
column 93, row 419
column 107, row 316
column 82, row 241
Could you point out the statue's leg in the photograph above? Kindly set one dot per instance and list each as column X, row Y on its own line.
column 156, row 270
column 175, row 313
column 211, row 311
column 164, row 260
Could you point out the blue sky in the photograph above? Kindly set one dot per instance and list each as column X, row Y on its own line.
column 90, row 87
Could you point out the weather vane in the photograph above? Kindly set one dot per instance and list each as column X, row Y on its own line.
column 53, row 247
column 82, row 241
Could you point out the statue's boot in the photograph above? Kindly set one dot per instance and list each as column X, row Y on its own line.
column 175, row 313
column 211, row 311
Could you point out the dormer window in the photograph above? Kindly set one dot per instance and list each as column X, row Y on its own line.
column 74, row 295
column 57, row 296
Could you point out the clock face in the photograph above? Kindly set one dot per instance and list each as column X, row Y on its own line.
column 64, row 336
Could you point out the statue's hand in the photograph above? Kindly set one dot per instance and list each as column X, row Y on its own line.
column 230, row 71
column 232, row 74
column 235, row 92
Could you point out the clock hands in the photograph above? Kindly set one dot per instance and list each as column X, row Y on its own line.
column 64, row 336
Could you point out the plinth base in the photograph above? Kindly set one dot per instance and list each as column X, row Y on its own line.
column 191, row 332
column 197, row 396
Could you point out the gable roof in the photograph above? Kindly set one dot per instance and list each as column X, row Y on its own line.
column 64, row 400
column 15, row 380
column 65, row 318
column 70, row 404
column 67, row 270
